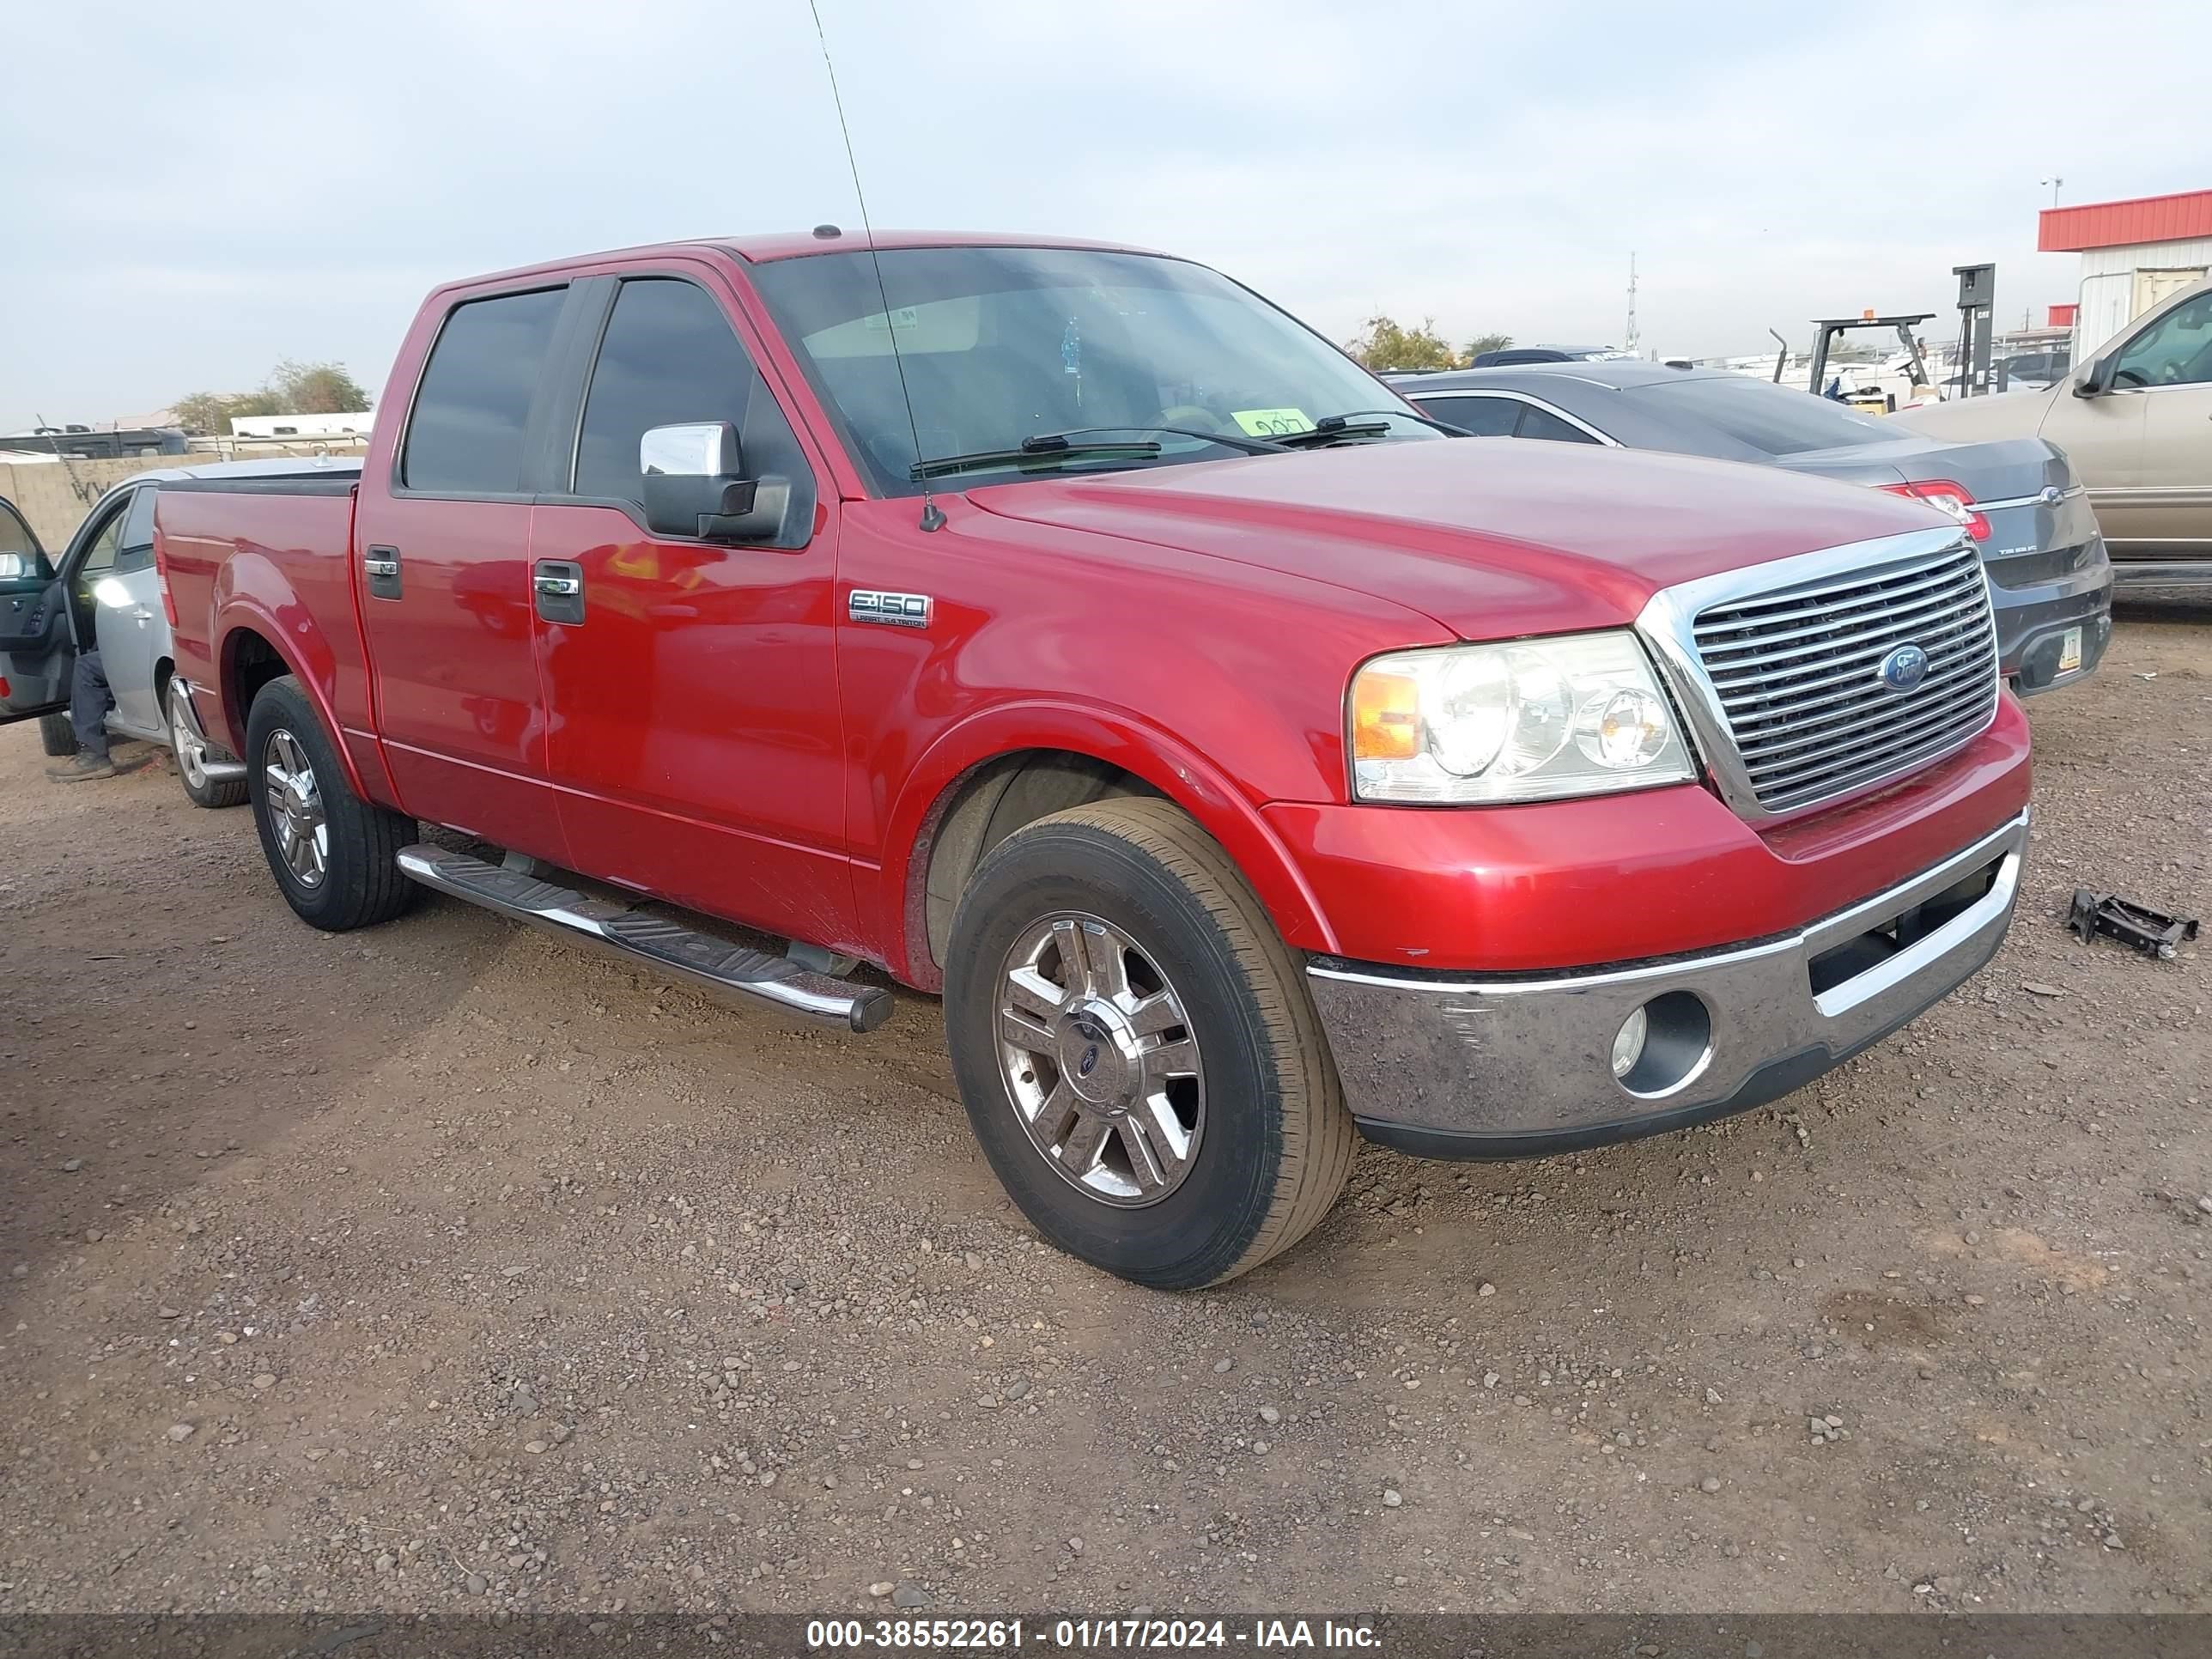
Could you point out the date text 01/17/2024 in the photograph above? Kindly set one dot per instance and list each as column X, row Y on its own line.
column 1085, row 1635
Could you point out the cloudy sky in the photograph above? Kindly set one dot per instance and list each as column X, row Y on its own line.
column 194, row 193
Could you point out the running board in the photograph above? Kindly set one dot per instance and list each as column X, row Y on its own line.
column 682, row 952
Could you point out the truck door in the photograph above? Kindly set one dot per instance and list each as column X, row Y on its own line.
column 36, row 651
column 690, row 681
column 442, row 552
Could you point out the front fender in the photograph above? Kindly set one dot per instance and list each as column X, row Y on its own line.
column 1117, row 737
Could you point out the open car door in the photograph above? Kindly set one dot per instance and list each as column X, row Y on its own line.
column 37, row 650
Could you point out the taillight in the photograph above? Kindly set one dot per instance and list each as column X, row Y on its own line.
column 1954, row 499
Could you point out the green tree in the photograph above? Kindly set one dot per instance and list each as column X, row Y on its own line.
column 292, row 388
column 314, row 389
column 1385, row 343
column 1482, row 343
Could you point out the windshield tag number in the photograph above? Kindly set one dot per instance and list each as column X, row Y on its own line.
column 1271, row 422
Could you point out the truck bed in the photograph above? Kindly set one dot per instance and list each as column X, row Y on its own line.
column 254, row 550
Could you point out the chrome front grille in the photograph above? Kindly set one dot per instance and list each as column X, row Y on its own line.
column 1796, row 673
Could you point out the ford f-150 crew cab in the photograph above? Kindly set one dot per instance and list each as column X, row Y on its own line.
column 1064, row 630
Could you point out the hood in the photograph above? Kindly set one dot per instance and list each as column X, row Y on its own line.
column 1491, row 538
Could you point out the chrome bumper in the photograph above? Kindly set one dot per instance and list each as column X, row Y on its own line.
column 1498, row 1067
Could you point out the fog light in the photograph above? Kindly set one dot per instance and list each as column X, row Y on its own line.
column 1628, row 1043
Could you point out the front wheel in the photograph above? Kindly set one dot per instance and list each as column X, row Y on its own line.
column 190, row 751
column 335, row 855
column 1137, row 1050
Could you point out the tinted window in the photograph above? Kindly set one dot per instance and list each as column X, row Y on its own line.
column 465, row 435
column 1539, row 423
column 1486, row 417
column 135, row 548
column 1774, row 420
column 2176, row 350
column 668, row 356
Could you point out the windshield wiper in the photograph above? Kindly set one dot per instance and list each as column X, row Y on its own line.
column 1331, row 428
column 1047, row 447
column 1245, row 441
column 1032, row 453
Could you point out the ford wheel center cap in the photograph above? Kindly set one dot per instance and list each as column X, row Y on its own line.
column 1903, row 669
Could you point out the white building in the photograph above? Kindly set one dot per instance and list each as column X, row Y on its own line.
column 357, row 424
column 2134, row 254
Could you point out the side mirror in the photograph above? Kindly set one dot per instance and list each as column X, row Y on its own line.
column 2097, row 379
column 24, row 567
column 695, row 487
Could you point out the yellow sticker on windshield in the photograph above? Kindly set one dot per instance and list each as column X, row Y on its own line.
column 1271, row 422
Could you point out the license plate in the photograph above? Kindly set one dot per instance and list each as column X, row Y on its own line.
column 2070, row 650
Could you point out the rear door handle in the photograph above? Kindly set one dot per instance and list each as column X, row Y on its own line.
column 559, row 586
column 381, row 566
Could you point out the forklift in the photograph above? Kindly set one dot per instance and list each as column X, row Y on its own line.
column 1826, row 329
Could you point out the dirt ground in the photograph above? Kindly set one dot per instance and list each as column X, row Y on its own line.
column 446, row 1266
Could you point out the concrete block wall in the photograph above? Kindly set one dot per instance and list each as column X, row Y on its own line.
column 54, row 497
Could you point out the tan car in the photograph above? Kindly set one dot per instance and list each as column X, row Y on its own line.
column 2136, row 420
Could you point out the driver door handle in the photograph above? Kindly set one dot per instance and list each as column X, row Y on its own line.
column 559, row 586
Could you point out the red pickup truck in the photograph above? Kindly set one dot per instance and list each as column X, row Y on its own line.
column 1064, row 629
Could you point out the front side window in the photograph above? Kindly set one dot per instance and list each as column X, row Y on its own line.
column 15, row 537
column 99, row 559
column 464, row 436
column 133, row 547
column 668, row 357
column 2175, row 350
column 1003, row 344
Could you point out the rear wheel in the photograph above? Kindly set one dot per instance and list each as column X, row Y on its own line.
column 56, row 735
column 335, row 855
column 1137, row 1050
column 190, row 752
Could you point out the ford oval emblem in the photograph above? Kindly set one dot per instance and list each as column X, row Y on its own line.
column 1089, row 1063
column 1903, row 669
column 2051, row 495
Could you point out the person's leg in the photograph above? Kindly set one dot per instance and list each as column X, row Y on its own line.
column 89, row 702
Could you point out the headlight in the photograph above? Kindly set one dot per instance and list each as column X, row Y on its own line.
column 1536, row 719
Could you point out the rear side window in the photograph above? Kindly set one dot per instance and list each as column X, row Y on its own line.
column 668, row 357
column 1486, row 417
column 1541, row 423
column 465, row 434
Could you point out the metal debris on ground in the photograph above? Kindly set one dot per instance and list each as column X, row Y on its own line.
column 2151, row 931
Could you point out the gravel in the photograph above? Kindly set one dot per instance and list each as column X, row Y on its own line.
column 766, row 1279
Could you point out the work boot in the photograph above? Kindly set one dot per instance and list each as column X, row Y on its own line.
column 82, row 770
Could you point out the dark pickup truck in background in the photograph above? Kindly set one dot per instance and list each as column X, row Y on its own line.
column 1071, row 632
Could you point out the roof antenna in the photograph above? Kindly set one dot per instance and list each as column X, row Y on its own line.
column 931, row 518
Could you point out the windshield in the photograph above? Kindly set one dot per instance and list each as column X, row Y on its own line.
column 1000, row 344
column 1774, row 420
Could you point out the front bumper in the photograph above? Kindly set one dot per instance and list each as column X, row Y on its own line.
column 1454, row 1064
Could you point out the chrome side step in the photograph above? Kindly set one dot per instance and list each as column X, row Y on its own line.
column 682, row 952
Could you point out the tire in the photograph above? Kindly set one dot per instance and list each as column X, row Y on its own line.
column 1268, row 1141
column 357, row 883
column 56, row 735
column 189, row 754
